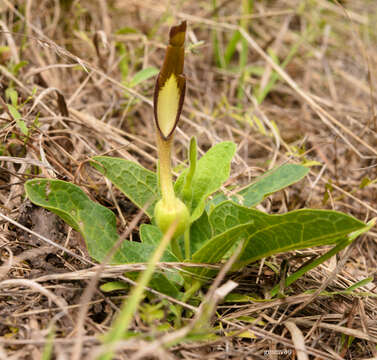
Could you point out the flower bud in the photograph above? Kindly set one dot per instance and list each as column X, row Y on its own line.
column 168, row 213
column 170, row 88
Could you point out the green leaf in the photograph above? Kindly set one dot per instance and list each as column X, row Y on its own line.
column 243, row 298
column 17, row 116
column 272, row 181
column 127, row 30
column 231, row 47
column 187, row 187
column 265, row 185
column 12, row 95
column 212, row 170
column 136, row 182
column 17, row 67
column 123, row 60
column 217, row 49
column 14, row 112
column 114, row 286
column 263, row 92
column 161, row 281
column 266, row 235
column 360, row 283
column 200, row 232
column 96, row 223
column 341, row 244
column 166, row 282
column 143, row 75
column 150, row 234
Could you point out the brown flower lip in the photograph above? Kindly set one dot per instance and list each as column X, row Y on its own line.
column 172, row 76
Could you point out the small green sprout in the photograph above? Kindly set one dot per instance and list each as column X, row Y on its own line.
column 169, row 95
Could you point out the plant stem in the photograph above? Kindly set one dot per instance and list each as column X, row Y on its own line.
column 187, row 244
column 176, row 249
column 191, row 291
column 129, row 307
column 166, row 181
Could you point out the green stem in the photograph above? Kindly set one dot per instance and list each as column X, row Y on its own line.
column 187, row 244
column 191, row 291
column 129, row 307
column 166, row 180
column 177, row 251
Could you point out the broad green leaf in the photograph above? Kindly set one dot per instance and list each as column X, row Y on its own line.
column 96, row 223
column 158, row 282
column 136, row 182
column 341, row 244
column 270, row 182
column 143, row 75
column 161, row 281
column 165, row 284
column 212, row 170
column 266, row 235
column 150, row 234
column 200, row 232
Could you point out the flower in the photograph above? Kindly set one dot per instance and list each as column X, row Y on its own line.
column 170, row 86
column 169, row 95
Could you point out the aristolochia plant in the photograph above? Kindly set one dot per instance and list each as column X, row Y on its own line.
column 203, row 230
column 169, row 95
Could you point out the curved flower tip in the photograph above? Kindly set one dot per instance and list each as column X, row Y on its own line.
column 177, row 34
column 169, row 92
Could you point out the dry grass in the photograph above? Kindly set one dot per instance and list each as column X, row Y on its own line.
column 322, row 109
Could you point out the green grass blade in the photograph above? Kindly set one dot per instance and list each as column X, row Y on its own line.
column 262, row 93
column 129, row 307
column 231, row 47
column 217, row 50
column 316, row 262
column 49, row 346
column 143, row 75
